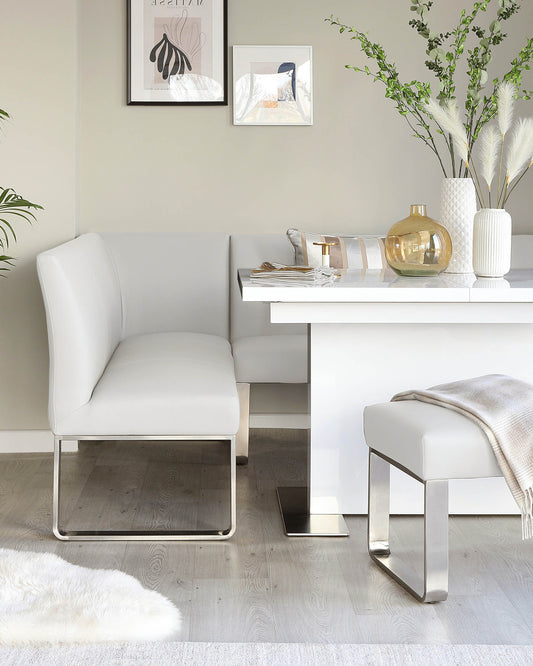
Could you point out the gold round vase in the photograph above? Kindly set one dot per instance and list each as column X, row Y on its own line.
column 418, row 245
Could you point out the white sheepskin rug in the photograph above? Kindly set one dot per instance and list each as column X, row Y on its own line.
column 46, row 600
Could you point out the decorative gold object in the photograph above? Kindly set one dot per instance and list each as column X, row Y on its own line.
column 325, row 250
column 418, row 245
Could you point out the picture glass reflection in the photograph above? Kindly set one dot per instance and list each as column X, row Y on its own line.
column 272, row 85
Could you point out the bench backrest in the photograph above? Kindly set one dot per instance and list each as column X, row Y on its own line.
column 99, row 289
column 250, row 251
column 172, row 281
column 82, row 300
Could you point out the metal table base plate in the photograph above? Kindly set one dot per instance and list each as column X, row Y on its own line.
column 297, row 521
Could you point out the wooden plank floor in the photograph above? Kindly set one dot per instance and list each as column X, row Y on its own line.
column 260, row 585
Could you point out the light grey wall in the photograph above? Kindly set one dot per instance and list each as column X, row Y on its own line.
column 356, row 169
column 38, row 52
column 155, row 168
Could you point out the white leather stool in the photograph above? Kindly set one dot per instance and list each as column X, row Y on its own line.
column 432, row 444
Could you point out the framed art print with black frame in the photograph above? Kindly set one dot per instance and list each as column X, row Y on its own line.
column 177, row 52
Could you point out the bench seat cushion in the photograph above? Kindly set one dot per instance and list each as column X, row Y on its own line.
column 169, row 383
column 271, row 359
column 433, row 442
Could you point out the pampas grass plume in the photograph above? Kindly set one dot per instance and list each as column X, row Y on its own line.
column 449, row 120
column 490, row 141
column 506, row 94
column 520, row 150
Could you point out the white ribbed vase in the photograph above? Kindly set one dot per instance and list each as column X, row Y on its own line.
column 492, row 242
column 457, row 210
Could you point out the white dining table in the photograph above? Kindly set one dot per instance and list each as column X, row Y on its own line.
column 373, row 334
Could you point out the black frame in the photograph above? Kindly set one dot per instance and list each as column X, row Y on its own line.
column 223, row 102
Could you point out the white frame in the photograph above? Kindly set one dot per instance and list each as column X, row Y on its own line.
column 295, row 111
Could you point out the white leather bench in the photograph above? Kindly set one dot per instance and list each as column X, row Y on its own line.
column 138, row 333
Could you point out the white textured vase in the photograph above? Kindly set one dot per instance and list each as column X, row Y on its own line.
column 492, row 242
column 457, row 210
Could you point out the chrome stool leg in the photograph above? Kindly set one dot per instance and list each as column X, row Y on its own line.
column 378, row 506
column 434, row 585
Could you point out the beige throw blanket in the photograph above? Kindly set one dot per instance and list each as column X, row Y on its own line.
column 503, row 408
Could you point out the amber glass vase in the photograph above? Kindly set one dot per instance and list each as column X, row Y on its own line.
column 418, row 245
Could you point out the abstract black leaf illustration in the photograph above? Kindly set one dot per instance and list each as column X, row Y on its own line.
column 169, row 54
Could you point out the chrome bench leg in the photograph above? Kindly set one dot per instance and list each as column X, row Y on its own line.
column 243, row 434
column 434, row 584
column 144, row 535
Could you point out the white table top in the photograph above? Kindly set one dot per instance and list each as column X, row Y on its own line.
column 354, row 286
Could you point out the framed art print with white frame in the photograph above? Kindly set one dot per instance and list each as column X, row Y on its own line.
column 272, row 85
column 177, row 52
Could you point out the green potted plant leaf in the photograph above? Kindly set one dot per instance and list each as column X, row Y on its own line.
column 13, row 207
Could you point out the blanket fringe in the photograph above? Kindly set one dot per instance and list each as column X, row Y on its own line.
column 527, row 514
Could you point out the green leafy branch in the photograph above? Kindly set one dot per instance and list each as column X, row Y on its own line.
column 409, row 98
column 489, row 106
column 444, row 51
column 442, row 60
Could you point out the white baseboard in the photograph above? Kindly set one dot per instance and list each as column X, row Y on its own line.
column 279, row 406
column 296, row 421
column 31, row 441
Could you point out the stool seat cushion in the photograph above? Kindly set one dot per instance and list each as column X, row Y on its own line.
column 432, row 442
column 172, row 383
